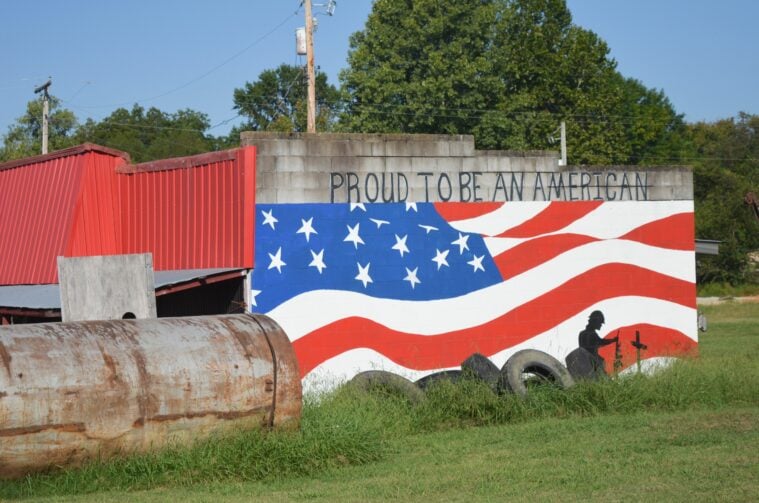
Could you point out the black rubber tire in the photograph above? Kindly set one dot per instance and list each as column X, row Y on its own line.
column 480, row 367
column 536, row 362
column 582, row 364
column 443, row 375
column 381, row 379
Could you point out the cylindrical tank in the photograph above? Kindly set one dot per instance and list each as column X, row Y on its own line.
column 300, row 41
column 69, row 391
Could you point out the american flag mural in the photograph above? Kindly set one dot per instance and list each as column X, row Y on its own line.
column 418, row 287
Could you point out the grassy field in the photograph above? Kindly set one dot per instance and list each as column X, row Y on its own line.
column 689, row 434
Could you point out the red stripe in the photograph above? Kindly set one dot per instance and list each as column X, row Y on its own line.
column 555, row 217
column 659, row 341
column 537, row 251
column 675, row 232
column 522, row 323
column 463, row 211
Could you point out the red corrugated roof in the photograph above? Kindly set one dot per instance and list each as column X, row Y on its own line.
column 191, row 212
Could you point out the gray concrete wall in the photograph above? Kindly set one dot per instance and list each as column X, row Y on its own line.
column 299, row 168
column 106, row 287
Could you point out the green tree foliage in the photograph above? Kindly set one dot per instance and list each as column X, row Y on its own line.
column 277, row 101
column 726, row 164
column 150, row 134
column 506, row 71
column 24, row 138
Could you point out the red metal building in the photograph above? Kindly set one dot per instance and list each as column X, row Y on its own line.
column 190, row 213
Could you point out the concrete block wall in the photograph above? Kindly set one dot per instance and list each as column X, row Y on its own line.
column 361, row 168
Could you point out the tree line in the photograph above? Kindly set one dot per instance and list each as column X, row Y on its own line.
column 505, row 71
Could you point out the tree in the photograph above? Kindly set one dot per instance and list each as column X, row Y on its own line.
column 150, row 134
column 277, row 101
column 725, row 168
column 422, row 67
column 654, row 132
column 24, row 138
column 506, row 71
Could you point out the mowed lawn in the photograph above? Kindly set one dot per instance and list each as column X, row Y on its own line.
column 692, row 453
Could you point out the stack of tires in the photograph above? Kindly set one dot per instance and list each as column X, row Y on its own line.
column 518, row 375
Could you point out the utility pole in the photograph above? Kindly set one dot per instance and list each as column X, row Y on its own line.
column 563, row 161
column 311, row 114
column 45, row 110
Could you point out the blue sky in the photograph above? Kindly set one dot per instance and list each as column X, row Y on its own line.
column 175, row 54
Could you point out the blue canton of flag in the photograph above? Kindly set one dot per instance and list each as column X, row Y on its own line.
column 403, row 251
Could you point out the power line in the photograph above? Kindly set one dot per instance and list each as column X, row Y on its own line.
column 203, row 75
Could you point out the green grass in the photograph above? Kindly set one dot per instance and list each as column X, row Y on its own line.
column 689, row 433
column 728, row 290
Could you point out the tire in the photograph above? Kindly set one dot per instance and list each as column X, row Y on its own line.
column 582, row 364
column 544, row 367
column 480, row 367
column 445, row 375
column 381, row 379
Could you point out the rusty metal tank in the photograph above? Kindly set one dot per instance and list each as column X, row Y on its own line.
column 69, row 391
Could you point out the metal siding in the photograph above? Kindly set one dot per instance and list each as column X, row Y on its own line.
column 36, row 213
column 97, row 228
column 247, row 158
column 190, row 213
column 192, row 216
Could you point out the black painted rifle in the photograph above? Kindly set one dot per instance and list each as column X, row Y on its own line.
column 617, row 355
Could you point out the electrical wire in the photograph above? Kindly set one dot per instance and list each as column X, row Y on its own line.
column 203, row 75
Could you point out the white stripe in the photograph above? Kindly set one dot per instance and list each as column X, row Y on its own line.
column 496, row 246
column 299, row 315
column 507, row 216
column 678, row 264
column 612, row 220
column 650, row 366
column 602, row 223
column 343, row 367
column 558, row 341
column 609, row 220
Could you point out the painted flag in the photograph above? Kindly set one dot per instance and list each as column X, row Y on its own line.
column 418, row 287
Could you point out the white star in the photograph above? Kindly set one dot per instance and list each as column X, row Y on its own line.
column 411, row 277
column 400, row 244
column 318, row 261
column 412, row 206
column 307, row 228
column 440, row 258
column 476, row 262
column 363, row 274
column 379, row 223
column 269, row 219
column 253, row 295
column 359, row 206
column 276, row 260
column 353, row 236
column 461, row 243
column 428, row 228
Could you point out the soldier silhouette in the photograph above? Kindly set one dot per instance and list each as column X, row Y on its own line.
column 589, row 339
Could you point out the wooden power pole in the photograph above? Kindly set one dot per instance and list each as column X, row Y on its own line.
column 311, row 116
column 45, row 111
